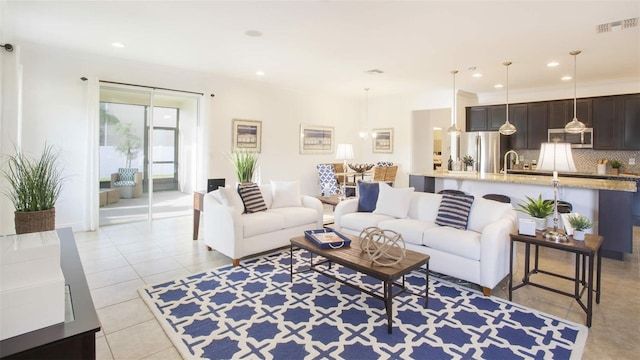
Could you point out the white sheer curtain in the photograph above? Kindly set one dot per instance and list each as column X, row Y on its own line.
column 92, row 186
column 10, row 124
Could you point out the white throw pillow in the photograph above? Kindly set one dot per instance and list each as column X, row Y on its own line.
column 285, row 194
column 393, row 202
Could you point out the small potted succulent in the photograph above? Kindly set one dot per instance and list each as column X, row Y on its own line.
column 538, row 209
column 468, row 162
column 579, row 223
column 615, row 166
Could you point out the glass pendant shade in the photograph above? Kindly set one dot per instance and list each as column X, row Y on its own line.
column 575, row 126
column 507, row 128
column 454, row 129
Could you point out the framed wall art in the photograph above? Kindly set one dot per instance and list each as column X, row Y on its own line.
column 383, row 142
column 316, row 139
column 246, row 135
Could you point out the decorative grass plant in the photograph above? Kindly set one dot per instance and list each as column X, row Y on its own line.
column 245, row 164
column 34, row 184
column 580, row 222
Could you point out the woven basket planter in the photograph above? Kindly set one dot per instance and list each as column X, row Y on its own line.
column 35, row 221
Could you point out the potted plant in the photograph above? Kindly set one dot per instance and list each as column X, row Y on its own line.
column 538, row 209
column 245, row 164
column 468, row 162
column 34, row 187
column 579, row 223
column 615, row 166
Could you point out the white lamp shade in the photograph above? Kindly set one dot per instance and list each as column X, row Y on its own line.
column 344, row 152
column 556, row 157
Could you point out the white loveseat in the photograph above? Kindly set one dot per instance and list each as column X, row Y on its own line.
column 479, row 254
column 236, row 234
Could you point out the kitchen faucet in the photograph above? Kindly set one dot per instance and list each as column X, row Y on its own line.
column 505, row 159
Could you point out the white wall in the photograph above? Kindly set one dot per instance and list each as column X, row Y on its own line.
column 55, row 111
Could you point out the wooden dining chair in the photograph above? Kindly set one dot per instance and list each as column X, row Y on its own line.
column 379, row 173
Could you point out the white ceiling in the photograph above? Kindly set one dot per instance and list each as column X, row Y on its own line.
column 328, row 45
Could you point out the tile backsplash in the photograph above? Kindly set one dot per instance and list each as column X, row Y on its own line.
column 587, row 159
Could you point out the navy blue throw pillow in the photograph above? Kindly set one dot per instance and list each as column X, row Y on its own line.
column 454, row 211
column 368, row 196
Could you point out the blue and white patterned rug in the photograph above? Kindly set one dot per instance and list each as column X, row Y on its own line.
column 253, row 311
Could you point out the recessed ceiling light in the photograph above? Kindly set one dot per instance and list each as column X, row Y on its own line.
column 477, row 75
column 260, row 73
column 253, row 33
column 498, row 86
column 553, row 64
column 117, row 44
column 566, row 78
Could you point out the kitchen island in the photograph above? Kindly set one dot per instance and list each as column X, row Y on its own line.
column 608, row 202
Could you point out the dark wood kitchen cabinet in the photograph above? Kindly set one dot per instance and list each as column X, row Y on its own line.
column 561, row 112
column 629, row 117
column 537, row 114
column 616, row 122
column 606, row 129
column 518, row 117
column 497, row 116
column 477, row 118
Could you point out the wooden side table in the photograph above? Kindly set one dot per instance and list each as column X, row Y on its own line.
column 198, row 207
column 584, row 267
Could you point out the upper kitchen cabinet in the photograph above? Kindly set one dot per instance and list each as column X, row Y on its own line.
column 606, row 129
column 485, row 118
column 561, row 112
column 616, row 122
column 497, row 116
column 629, row 116
column 477, row 118
column 537, row 114
column 518, row 117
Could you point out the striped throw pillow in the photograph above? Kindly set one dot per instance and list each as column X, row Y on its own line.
column 454, row 211
column 251, row 197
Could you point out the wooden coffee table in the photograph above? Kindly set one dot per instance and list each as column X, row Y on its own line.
column 354, row 258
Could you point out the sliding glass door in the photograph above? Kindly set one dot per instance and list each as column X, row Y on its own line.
column 143, row 171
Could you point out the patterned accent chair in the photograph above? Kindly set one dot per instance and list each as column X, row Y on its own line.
column 327, row 176
column 128, row 181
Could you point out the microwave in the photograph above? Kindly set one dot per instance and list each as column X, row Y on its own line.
column 583, row 140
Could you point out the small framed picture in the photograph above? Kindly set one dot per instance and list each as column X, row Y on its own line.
column 383, row 142
column 316, row 139
column 246, row 135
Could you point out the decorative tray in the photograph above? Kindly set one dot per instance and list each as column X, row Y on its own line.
column 327, row 238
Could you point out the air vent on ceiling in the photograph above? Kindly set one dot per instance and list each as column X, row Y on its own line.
column 374, row 72
column 617, row 25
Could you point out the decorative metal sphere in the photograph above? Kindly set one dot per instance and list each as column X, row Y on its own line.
column 384, row 247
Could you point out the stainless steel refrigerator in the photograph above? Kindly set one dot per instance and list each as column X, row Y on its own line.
column 485, row 147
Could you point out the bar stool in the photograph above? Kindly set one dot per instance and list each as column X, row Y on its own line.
column 498, row 197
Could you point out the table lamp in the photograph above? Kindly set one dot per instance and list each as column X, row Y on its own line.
column 344, row 152
column 555, row 157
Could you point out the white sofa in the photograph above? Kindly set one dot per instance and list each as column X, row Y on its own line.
column 479, row 254
column 236, row 234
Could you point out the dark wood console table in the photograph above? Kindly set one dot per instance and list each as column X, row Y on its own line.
column 198, row 207
column 74, row 339
column 584, row 271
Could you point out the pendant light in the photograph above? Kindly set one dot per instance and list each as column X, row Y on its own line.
column 365, row 132
column 454, row 129
column 575, row 126
column 507, row 128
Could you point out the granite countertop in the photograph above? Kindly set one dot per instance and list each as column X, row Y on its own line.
column 539, row 179
column 621, row 176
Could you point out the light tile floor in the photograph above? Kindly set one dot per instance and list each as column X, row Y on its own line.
column 119, row 259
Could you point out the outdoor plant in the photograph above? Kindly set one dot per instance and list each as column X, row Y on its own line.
column 130, row 144
column 537, row 208
column 245, row 163
column 580, row 222
column 34, row 184
column 467, row 160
